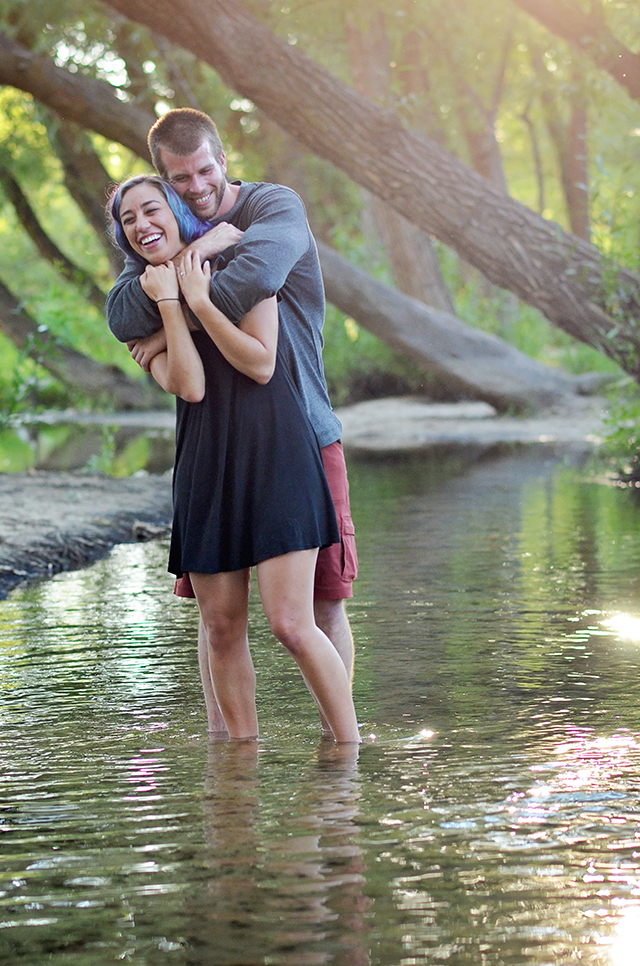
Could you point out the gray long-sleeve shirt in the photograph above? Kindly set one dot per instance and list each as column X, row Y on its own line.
column 276, row 256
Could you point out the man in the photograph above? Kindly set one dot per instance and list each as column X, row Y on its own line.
column 274, row 254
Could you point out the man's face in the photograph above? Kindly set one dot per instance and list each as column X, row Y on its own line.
column 199, row 179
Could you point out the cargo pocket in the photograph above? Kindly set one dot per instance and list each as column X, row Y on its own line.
column 349, row 551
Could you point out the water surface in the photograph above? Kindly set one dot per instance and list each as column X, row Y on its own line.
column 492, row 815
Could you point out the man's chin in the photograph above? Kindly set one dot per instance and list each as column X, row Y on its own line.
column 205, row 212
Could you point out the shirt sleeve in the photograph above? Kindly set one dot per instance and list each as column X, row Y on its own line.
column 274, row 241
column 130, row 313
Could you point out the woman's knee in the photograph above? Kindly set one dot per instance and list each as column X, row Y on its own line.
column 224, row 630
column 291, row 630
column 223, row 601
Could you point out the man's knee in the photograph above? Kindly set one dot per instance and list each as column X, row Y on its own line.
column 329, row 612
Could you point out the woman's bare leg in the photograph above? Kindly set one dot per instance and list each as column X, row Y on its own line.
column 286, row 589
column 223, row 600
column 216, row 725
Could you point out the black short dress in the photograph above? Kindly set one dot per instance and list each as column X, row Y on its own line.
column 248, row 480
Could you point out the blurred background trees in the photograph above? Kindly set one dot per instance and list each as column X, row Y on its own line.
column 527, row 93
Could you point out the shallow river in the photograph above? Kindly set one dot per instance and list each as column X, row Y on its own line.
column 492, row 817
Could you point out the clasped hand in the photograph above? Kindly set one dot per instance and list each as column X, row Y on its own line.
column 165, row 281
column 160, row 282
column 194, row 277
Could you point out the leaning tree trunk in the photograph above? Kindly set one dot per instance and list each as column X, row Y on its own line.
column 74, row 370
column 46, row 247
column 566, row 278
column 87, row 180
column 467, row 360
column 88, row 102
column 351, row 290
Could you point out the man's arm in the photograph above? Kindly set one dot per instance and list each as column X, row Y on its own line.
column 130, row 313
column 276, row 238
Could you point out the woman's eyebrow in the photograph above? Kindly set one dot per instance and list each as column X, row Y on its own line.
column 145, row 204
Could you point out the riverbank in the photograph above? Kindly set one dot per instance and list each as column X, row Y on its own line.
column 408, row 425
column 51, row 521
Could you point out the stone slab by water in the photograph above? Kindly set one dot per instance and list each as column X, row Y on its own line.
column 400, row 425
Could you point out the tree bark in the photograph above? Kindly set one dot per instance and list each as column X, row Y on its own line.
column 570, row 144
column 589, row 32
column 74, row 370
column 563, row 276
column 90, row 103
column 86, row 179
column 47, row 248
column 467, row 360
column 577, row 169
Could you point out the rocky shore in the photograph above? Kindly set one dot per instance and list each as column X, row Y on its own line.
column 50, row 521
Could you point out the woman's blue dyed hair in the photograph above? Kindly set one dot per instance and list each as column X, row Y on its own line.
column 189, row 226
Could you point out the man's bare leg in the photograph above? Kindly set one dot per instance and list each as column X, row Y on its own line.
column 331, row 618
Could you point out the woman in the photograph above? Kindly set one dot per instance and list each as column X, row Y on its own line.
column 249, row 487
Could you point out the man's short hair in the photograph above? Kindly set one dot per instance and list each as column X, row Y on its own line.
column 182, row 131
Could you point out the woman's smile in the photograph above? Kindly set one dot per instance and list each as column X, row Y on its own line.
column 149, row 224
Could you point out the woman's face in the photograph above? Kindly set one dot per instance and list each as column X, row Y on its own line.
column 149, row 224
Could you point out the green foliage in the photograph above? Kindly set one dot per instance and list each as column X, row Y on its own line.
column 622, row 444
column 16, row 455
column 124, row 462
column 455, row 71
column 525, row 328
column 24, row 385
column 359, row 366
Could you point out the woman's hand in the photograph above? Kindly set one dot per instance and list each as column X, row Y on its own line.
column 194, row 277
column 160, row 282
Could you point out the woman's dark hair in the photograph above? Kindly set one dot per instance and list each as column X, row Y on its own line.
column 189, row 226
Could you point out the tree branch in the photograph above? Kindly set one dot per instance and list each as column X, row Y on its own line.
column 589, row 33
column 92, row 104
column 76, row 371
column 47, row 248
column 563, row 276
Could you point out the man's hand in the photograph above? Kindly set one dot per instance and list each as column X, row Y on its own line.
column 216, row 240
column 144, row 350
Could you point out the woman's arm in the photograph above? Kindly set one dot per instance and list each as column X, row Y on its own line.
column 249, row 347
column 179, row 370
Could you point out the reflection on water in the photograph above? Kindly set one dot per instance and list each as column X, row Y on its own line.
column 491, row 817
column 119, row 450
